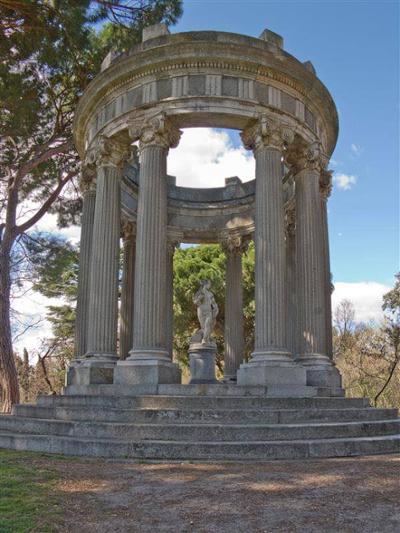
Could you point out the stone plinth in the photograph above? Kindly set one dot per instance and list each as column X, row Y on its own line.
column 202, row 362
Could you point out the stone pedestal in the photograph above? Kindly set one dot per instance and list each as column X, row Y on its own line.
column 202, row 363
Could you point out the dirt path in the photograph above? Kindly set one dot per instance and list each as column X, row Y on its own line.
column 334, row 495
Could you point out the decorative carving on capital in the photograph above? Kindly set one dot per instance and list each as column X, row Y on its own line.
column 108, row 152
column 156, row 131
column 325, row 183
column 306, row 156
column 128, row 230
column 87, row 182
column 267, row 132
column 235, row 244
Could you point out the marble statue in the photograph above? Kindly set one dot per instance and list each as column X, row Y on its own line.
column 207, row 310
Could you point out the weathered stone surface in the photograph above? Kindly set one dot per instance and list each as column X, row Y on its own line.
column 202, row 363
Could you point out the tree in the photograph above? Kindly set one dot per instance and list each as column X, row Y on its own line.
column 391, row 330
column 368, row 354
column 49, row 52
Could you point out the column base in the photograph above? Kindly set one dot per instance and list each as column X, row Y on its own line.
column 267, row 374
column 135, row 371
column 91, row 371
column 202, row 363
column 321, row 372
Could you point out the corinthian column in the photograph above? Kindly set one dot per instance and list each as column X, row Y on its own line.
column 108, row 157
column 149, row 362
column 128, row 280
column 171, row 246
column 291, row 298
column 82, row 305
column 325, row 189
column 234, row 247
column 271, row 361
column 311, row 264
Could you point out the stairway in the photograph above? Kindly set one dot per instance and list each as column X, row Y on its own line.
column 201, row 427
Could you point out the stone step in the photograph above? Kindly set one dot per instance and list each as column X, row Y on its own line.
column 199, row 432
column 167, row 450
column 222, row 416
column 200, row 402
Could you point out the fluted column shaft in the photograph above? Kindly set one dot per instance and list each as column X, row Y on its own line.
column 291, row 298
column 127, row 298
column 170, row 297
column 310, row 264
column 103, row 314
column 270, row 336
column 234, row 332
column 150, row 327
column 327, row 268
column 82, row 304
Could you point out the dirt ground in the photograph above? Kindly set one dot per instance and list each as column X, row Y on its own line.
column 330, row 495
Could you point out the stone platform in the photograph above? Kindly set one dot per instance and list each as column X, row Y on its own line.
column 202, row 422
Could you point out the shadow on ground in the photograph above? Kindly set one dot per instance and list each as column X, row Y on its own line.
column 330, row 495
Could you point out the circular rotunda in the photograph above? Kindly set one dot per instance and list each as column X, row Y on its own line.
column 288, row 119
column 123, row 394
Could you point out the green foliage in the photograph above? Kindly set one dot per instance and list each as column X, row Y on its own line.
column 191, row 265
column 27, row 501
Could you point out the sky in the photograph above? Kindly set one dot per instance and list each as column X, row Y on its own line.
column 354, row 47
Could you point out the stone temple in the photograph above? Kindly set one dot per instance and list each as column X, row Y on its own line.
column 123, row 395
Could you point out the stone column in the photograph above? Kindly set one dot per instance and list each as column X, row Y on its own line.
column 82, row 305
column 325, row 189
column 149, row 362
column 97, row 366
column 171, row 246
column 311, row 275
column 291, row 307
column 128, row 280
column 108, row 156
column 271, row 362
column 233, row 246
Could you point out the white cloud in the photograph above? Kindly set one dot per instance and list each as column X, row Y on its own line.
column 366, row 297
column 356, row 149
column 344, row 181
column 205, row 157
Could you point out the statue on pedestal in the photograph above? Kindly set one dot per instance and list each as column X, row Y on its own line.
column 202, row 349
column 207, row 311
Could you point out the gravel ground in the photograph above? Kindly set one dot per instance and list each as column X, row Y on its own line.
column 329, row 495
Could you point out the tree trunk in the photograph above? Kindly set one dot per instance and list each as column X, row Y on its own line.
column 8, row 370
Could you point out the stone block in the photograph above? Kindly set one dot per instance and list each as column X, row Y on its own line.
column 90, row 373
column 154, row 31
column 327, row 377
column 146, row 372
column 270, row 374
column 272, row 38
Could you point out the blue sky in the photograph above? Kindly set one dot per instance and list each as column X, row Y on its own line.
column 354, row 46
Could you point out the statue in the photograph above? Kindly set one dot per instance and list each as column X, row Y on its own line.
column 207, row 311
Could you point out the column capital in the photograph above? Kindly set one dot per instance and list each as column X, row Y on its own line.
column 156, row 131
column 307, row 156
column 267, row 132
column 87, row 181
column 234, row 244
column 128, row 230
column 108, row 152
column 325, row 183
